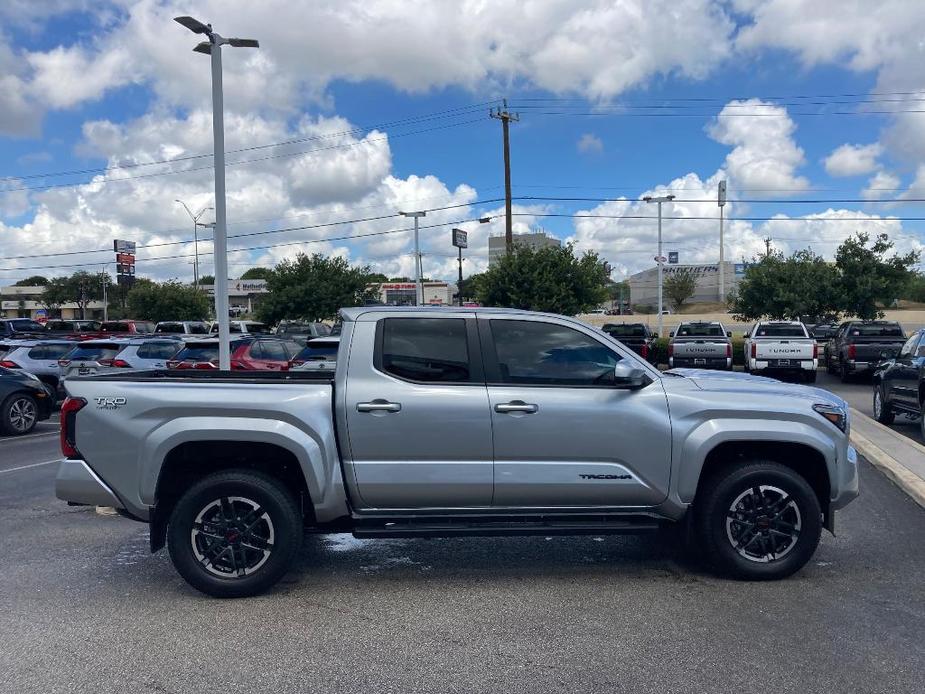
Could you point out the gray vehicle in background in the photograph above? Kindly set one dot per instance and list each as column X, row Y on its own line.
column 452, row 421
column 859, row 346
column 37, row 357
column 700, row 345
column 182, row 327
column 301, row 332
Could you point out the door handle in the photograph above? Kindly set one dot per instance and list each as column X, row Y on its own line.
column 516, row 406
column 379, row 405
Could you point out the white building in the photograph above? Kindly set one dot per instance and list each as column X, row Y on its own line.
column 26, row 302
column 644, row 285
column 402, row 293
column 534, row 240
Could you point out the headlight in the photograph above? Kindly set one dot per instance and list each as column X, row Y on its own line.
column 837, row 415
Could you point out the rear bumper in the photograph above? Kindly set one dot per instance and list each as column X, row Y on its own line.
column 78, row 484
column 858, row 366
column 700, row 362
column 773, row 365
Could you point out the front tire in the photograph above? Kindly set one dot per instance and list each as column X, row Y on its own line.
column 19, row 414
column 883, row 411
column 757, row 521
column 234, row 534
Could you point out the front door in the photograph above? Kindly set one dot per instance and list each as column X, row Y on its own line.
column 418, row 424
column 903, row 378
column 564, row 434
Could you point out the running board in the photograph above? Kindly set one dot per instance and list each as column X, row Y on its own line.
column 473, row 526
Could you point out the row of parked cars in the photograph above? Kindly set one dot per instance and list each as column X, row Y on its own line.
column 34, row 364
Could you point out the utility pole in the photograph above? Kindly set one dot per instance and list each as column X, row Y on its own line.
column 418, row 285
column 767, row 247
column 196, row 225
column 659, row 259
column 721, row 200
column 104, row 279
column 506, row 117
column 213, row 48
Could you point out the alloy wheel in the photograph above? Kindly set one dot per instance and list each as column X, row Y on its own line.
column 763, row 523
column 22, row 415
column 878, row 404
column 232, row 536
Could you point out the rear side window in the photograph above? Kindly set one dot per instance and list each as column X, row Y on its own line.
column 114, row 327
column 157, row 350
column 198, row 353
column 269, row 350
column 781, row 331
column 532, row 353
column 49, row 351
column 318, row 352
column 59, row 326
column 169, row 328
column 27, row 325
column 431, row 350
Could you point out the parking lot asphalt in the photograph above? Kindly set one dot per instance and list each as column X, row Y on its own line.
column 84, row 606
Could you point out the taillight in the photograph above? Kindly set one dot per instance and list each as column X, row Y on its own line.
column 728, row 349
column 121, row 364
column 69, row 410
column 815, row 350
column 644, row 352
column 105, row 362
column 173, row 363
column 64, row 362
column 754, row 350
column 852, row 351
column 670, row 350
column 9, row 364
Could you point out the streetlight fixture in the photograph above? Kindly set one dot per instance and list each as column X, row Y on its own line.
column 659, row 259
column 418, row 286
column 196, row 225
column 213, row 48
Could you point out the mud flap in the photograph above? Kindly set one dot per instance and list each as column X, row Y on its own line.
column 828, row 519
column 157, row 529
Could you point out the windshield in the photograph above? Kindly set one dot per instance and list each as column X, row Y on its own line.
column 782, row 330
column 701, row 330
column 876, row 330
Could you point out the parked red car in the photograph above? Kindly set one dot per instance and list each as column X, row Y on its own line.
column 253, row 353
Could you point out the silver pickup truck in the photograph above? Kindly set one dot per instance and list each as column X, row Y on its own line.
column 705, row 345
column 448, row 422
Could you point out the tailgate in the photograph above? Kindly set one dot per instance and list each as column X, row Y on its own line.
column 700, row 349
column 796, row 350
column 869, row 350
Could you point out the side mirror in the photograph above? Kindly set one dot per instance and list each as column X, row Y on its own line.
column 654, row 336
column 671, row 334
column 627, row 375
column 728, row 333
column 886, row 354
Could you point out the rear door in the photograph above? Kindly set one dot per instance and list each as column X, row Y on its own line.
column 564, row 435
column 418, row 425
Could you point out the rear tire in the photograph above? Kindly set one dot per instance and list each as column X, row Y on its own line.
column 19, row 414
column 844, row 374
column 809, row 376
column 757, row 521
column 234, row 534
column 883, row 411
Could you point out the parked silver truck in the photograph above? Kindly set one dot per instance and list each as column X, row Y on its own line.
column 704, row 345
column 455, row 421
column 781, row 348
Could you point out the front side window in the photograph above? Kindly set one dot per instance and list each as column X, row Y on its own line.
column 158, row 350
column 533, row 353
column 433, row 350
column 909, row 347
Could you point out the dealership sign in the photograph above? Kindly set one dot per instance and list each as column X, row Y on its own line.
column 460, row 238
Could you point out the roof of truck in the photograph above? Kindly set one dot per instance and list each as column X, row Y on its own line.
column 353, row 313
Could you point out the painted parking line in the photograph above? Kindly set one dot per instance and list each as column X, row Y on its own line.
column 29, row 437
column 26, row 467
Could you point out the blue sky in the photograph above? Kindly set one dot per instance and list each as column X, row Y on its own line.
column 617, row 99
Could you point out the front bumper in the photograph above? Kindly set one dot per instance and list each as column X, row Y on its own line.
column 846, row 485
column 78, row 484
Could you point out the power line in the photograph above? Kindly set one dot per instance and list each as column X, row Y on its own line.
column 802, row 201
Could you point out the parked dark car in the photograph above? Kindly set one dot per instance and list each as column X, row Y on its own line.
column 637, row 337
column 858, row 346
column 24, row 401
column 302, row 332
column 18, row 327
column 126, row 327
column 59, row 326
column 822, row 332
column 899, row 383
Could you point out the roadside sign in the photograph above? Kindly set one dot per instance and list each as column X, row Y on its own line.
column 125, row 258
column 672, row 257
column 660, row 259
column 122, row 246
column 721, row 194
column 460, row 238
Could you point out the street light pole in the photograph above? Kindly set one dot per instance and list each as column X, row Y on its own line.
column 196, row 225
column 721, row 201
column 658, row 258
column 418, row 285
column 213, row 48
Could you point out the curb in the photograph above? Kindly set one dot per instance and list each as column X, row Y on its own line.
column 900, row 475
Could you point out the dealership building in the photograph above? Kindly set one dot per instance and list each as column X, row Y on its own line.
column 644, row 285
column 535, row 241
column 26, row 302
column 402, row 293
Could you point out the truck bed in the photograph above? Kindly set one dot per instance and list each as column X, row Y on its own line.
column 211, row 376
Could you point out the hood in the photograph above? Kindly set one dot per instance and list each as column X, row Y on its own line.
column 736, row 382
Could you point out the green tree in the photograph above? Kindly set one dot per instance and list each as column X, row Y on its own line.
column 915, row 288
column 34, row 281
column 549, row 279
column 171, row 300
column 257, row 273
column 679, row 286
column 80, row 288
column 207, row 280
column 313, row 288
column 869, row 279
column 786, row 288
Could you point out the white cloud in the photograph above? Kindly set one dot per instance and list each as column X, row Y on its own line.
column 589, row 143
column 882, row 184
column 765, row 157
column 853, row 160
